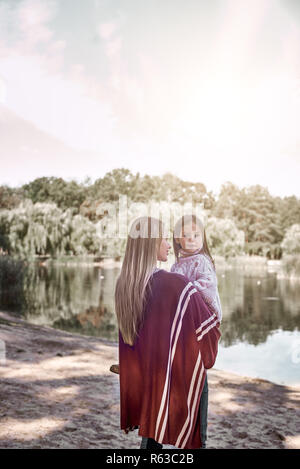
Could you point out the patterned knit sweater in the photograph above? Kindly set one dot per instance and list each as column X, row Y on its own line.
column 199, row 270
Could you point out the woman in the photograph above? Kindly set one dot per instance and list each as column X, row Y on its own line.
column 168, row 338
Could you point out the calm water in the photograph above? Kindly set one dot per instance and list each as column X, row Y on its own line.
column 261, row 314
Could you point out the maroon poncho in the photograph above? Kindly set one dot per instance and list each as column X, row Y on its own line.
column 163, row 373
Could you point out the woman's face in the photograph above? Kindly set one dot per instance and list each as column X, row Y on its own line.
column 163, row 250
column 191, row 238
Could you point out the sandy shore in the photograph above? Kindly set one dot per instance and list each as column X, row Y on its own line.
column 56, row 391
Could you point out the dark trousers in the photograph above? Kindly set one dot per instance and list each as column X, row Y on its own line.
column 203, row 413
column 149, row 443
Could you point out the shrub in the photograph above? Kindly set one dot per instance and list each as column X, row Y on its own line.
column 223, row 237
column 12, row 274
column 291, row 241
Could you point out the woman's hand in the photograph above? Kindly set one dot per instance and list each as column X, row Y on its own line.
column 129, row 429
column 115, row 369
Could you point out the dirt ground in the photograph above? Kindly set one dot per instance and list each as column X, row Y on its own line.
column 56, row 391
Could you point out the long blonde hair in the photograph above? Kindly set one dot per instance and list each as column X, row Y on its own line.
column 138, row 265
column 179, row 226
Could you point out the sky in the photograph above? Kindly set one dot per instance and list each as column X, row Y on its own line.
column 206, row 90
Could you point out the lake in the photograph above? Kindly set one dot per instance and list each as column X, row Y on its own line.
column 261, row 314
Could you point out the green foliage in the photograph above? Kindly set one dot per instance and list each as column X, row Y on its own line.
column 9, row 198
column 258, row 214
column 291, row 265
column 118, row 181
column 44, row 229
column 223, row 237
column 142, row 189
column 289, row 210
column 83, row 237
column 12, row 274
column 291, row 241
column 50, row 216
column 55, row 190
column 36, row 229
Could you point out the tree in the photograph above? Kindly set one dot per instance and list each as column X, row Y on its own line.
column 255, row 212
column 291, row 241
column 9, row 198
column 45, row 229
column 83, row 236
column 37, row 229
column 64, row 194
column 229, row 202
column 223, row 237
column 118, row 181
column 289, row 210
column 263, row 219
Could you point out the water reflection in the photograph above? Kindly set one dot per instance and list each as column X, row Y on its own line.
column 81, row 299
column 74, row 298
column 254, row 306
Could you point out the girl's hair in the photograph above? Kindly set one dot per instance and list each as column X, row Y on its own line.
column 178, row 229
column 133, row 285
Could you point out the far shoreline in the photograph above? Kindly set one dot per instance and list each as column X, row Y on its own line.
column 244, row 262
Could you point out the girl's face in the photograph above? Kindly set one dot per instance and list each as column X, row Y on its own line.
column 163, row 250
column 191, row 238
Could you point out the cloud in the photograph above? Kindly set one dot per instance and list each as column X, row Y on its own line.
column 134, row 84
column 32, row 18
column 66, row 105
column 25, row 30
column 151, row 97
column 106, row 30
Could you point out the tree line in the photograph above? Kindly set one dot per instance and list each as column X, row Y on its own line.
column 51, row 216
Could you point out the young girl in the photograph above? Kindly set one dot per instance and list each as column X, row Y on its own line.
column 194, row 261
